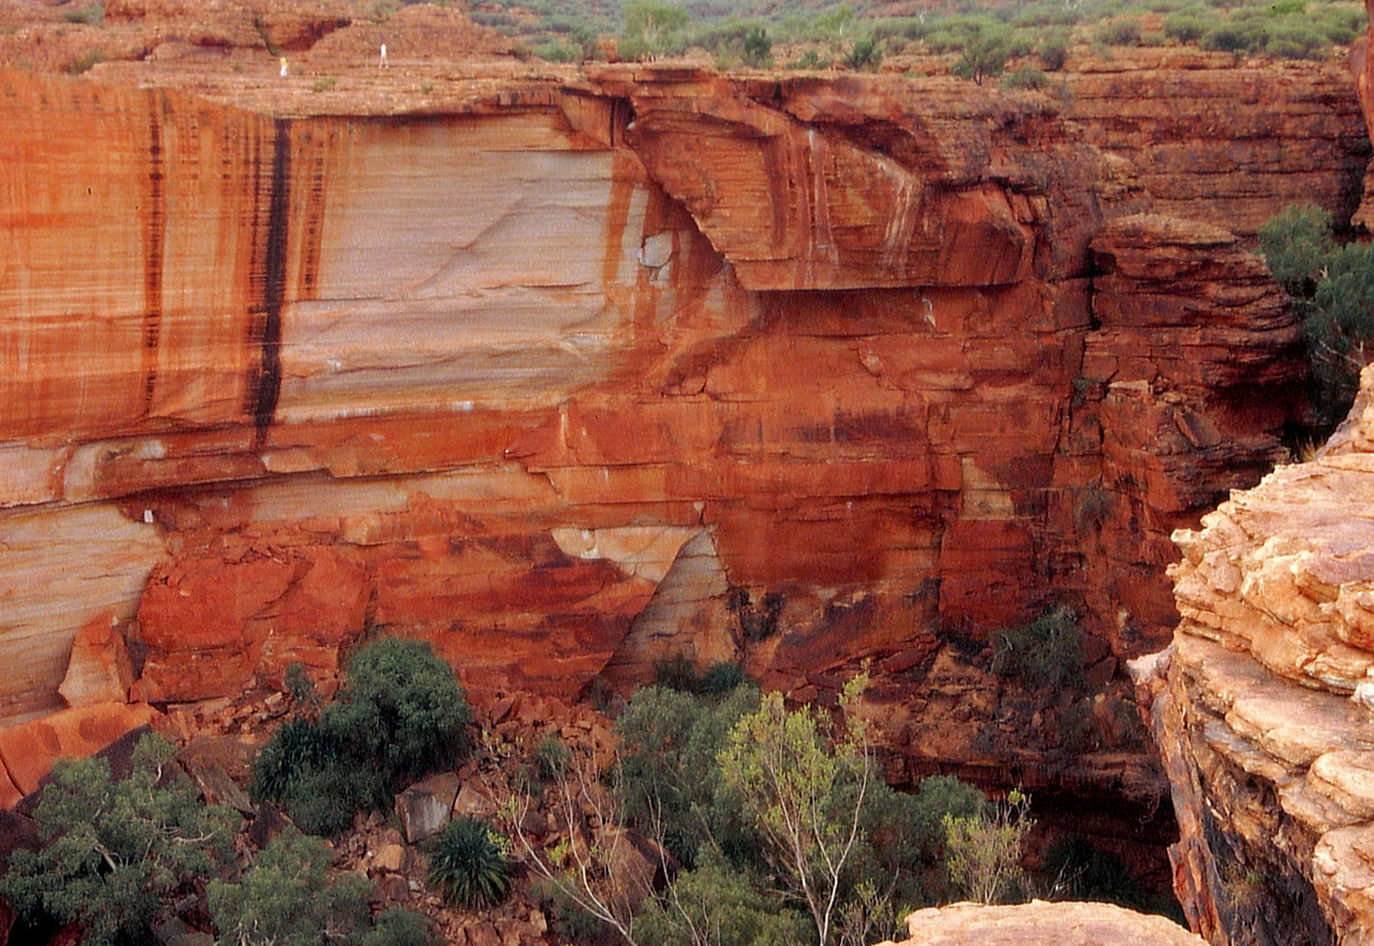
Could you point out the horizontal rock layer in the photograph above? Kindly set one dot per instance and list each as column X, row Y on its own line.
column 541, row 375
column 1264, row 712
column 1226, row 142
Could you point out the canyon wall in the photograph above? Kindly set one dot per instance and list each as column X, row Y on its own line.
column 1224, row 140
column 1261, row 706
column 569, row 376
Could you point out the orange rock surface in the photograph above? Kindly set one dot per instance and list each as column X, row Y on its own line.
column 539, row 365
column 1222, row 141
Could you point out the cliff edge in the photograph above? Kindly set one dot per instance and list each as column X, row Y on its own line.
column 1263, row 703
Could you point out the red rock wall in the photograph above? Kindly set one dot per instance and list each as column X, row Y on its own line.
column 1225, row 142
column 540, row 379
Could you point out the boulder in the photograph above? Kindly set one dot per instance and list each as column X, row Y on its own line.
column 425, row 807
column 1040, row 923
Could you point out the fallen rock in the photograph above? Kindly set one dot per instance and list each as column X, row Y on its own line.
column 99, row 670
column 425, row 807
column 29, row 749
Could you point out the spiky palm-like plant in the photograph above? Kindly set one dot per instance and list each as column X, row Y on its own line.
column 469, row 865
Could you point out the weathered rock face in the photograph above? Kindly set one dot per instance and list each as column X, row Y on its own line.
column 1263, row 703
column 1222, row 142
column 539, row 370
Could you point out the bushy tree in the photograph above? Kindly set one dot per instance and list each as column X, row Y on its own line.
column 652, row 28
column 1296, row 243
column 398, row 927
column 757, row 47
column 401, row 708
column 115, row 851
column 1332, row 288
column 400, row 715
column 985, row 54
column 866, row 54
column 1046, row 653
column 788, row 768
column 672, row 782
column 308, row 769
column 984, row 850
column 717, row 905
column 289, row 898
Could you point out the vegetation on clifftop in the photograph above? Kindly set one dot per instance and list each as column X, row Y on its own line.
column 978, row 36
column 1332, row 287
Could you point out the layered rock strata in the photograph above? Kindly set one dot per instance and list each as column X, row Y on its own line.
column 542, row 374
column 1222, row 141
column 1263, row 705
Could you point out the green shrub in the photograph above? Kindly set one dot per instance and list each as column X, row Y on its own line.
column 551, row 757
column 1333, row 293
column 1235, row 36
column 678, row 672
column 84, row 62
column 400, row 715
column 1189, row 24
column 308, row 769
column 1027, row 77
column 470, row 865
column 1053, row 49
column 401, row 708
column 757, row 47
column 398, row 927
column 1295, row 244
column 984, row 851
column 652, row 29
column 722, row 677
column 116, row 850
column 288, row 897
column 1046, row 653
column 984, row 55
column 93, row 15
column 558, row 51
column 1122, row 32
column 865, row 55
column 669, row 773
column 811, row 59
column 728, row 903
column 1296, row 38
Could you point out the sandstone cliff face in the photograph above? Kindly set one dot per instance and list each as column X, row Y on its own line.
column 542, row 374
column 1263, row 704
column 1225, row 142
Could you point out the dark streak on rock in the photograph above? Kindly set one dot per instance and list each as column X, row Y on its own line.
column 153, row 256
column 314, row 147
column 268, row 386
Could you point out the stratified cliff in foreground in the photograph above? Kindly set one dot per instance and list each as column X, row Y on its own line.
column 1262, row 705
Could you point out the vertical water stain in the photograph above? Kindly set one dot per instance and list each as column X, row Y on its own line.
column 155, row 233
column 265, row 326
column 314, row 148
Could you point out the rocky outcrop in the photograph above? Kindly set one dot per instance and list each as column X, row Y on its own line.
column 1262, row 705
column 1041, row 924
column 1225, row 142
column 1187, row 379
